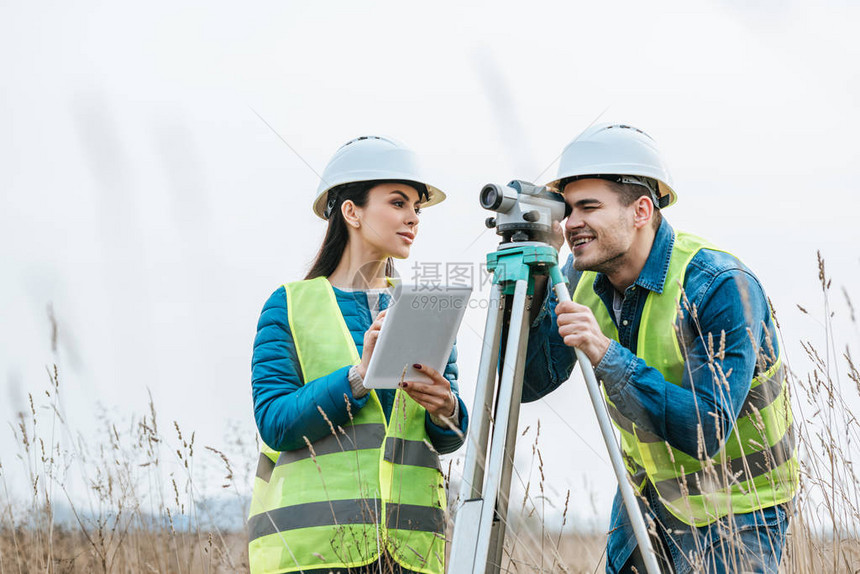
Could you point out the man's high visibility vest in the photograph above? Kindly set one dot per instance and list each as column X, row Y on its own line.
column 370, row 486
column 757, row 465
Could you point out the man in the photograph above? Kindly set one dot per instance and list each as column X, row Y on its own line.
column 681, row 337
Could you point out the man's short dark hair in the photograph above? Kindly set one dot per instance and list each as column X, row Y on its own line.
column 630, row 192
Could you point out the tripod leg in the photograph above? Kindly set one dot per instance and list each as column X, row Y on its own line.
column 496, row 507
column 468, row 522
column 621, row 475
column 518, row 338
column 476, row 453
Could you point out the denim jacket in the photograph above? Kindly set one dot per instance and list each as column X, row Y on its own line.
column 727, row 310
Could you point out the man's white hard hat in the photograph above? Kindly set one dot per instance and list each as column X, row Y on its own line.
column 372, row 158
column 612, row 151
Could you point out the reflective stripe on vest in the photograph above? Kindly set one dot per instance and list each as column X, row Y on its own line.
column 757, row 465
column 319, row 506
column 343, row 512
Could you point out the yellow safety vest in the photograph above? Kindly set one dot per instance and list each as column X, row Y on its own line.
column 372, row 485
column 757, row 466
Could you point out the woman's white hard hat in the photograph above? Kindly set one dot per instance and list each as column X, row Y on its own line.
column 607, row 150
column 372, row 158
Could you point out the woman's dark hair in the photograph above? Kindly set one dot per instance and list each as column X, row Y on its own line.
column 337, row 235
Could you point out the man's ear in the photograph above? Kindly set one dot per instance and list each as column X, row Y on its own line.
column 350, row 213
column 643, row 212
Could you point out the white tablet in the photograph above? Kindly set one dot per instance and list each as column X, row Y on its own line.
column 420, row 327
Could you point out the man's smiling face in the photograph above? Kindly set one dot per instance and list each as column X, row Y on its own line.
column 599, row 230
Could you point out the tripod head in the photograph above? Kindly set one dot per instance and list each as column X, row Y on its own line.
column 524, row 211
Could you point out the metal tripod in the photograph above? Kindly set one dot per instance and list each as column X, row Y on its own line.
column 479, row 528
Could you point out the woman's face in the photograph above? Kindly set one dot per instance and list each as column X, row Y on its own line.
column 388, row 222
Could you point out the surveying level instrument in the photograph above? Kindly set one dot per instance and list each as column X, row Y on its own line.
column 524, row 217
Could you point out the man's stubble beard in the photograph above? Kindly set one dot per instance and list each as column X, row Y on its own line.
column 610, row 263
column 607, row 266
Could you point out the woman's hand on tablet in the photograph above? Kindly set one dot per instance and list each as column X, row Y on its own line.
column 435, row 396
column 370, row 337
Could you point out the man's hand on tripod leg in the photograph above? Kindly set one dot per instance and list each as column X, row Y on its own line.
column 578, row 327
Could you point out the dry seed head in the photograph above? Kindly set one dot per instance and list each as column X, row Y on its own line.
column 310, row 448
column 348, row 406
column 769, row 342
column 324, row 416
column 822, row 276
column 773, row 312
column 564, row 514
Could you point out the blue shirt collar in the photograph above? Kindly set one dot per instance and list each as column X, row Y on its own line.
column 653, row 274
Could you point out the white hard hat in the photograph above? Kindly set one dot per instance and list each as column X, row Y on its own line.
column 611, row 151
column 372, row 158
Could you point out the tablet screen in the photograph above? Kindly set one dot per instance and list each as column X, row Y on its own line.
column 420, row 327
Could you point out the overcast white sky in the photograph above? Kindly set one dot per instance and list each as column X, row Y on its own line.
column 142, row 197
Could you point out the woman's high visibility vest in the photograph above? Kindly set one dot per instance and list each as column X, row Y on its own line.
column 757, row 465
column 370, row 486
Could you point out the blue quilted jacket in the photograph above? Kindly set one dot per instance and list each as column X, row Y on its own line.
column 286, row 409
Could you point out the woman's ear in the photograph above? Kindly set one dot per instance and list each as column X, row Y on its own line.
column 350, row 213
column 644, row 211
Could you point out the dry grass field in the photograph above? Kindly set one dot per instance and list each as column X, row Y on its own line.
column 142, row 511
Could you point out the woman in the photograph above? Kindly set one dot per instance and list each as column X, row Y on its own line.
column 346, row 480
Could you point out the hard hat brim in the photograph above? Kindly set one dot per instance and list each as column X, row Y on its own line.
column 435, row 196
column 663, row 187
